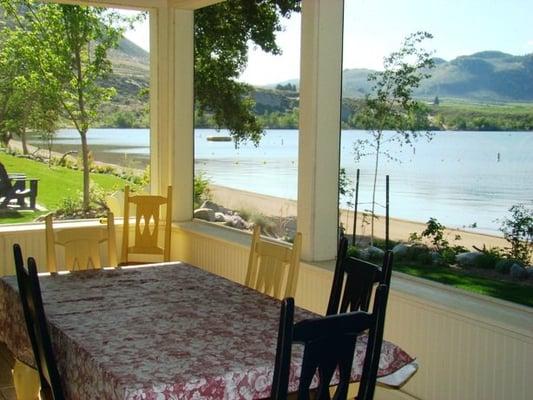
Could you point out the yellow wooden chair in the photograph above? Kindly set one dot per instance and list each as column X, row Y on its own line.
column 273, row 265
column 147, row 224
column 81, row 245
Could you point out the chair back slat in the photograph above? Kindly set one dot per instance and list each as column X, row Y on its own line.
column 148, row 222
column 329, row 345
column 354, row 280
column 36, row 324
column 273, row 267
column 81, row 246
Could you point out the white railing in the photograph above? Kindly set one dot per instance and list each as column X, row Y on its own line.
column 468, row 346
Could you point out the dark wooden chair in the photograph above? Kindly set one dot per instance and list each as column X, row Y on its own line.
column 14, row 188
column 32, row 305
column 354, row 280
column 329, row 342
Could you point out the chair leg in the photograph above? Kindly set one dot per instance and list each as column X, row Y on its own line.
column 26, row 381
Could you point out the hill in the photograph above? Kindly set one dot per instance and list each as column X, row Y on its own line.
column 486, row 76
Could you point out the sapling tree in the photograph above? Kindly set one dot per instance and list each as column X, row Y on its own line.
column 391, row 106
column 518, row 231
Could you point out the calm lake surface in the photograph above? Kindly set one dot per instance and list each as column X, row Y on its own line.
column 460, row 178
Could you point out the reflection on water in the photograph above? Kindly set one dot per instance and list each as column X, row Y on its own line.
column 460, row 178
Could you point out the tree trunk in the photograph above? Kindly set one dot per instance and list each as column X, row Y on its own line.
column 23, row 141
column 376, row 165
column 85, row 157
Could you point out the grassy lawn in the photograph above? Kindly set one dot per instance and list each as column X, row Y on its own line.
column 515, row 292
column 55, row 184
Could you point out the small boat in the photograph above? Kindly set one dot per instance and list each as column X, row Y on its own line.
column 219, row 138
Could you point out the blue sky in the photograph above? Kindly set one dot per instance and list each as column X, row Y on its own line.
column 374, row 28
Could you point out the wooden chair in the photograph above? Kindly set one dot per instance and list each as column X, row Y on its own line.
column 271, row 264
column 32, row 305
column 13, row 187
column 329, row 342
column 147, row 223
column 82, row 246
column 354, row 280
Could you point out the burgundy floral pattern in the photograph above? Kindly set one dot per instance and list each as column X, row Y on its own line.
column 168, row 331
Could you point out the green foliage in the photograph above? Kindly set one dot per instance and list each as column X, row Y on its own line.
column 267, row 225
column 289, row 87
column 222, row 34
column 489, row 258
column 201, row 190
column 435, row 233
column 503, row 266
column 353, row 251
column 518, row 231
column 465, row 280
column 69, row 47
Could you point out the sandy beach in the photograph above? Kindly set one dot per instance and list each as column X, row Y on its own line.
column 399, row 229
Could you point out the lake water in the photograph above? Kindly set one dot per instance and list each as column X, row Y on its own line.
column 460, row 178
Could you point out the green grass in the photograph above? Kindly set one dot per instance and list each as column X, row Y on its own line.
column 55, row 184
column 517, row 293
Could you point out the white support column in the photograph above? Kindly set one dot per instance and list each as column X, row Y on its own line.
column 320, row 104
column 172, row 106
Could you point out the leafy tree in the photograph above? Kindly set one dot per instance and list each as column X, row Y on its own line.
column 71, row 45
column 26, row 102
column 222, row 34
column 391, row 105
column 518, row 231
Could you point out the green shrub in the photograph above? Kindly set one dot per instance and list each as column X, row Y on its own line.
column 518, row 231
column 201, row 190
column 353, row 251
column 489, row 258
column 415, row 252
column 504, row 266
column 448, row 256
column 266, row 224
column 381, row 243
column 244, row 214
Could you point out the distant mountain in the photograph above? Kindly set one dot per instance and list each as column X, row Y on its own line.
column 485, row 76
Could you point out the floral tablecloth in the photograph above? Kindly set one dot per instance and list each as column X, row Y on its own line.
column 168, row 331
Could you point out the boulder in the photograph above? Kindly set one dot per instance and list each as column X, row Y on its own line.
column 468, row 259
column 503, row 266
column 237, row 222
column 207, row 214
column 518, row 272
column 211, row 205
column 400, row 250
column 221, row 217
column 372, row 253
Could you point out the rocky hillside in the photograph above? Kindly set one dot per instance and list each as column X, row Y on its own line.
column 490, row 76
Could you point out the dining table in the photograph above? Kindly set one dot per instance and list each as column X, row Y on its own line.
column 165, row 331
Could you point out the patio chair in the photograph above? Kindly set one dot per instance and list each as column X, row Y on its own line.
column 272, row 264
column 147, row 225
column 354, row 279
column 329, row 342
column 81, row 245
column 32, row 305
column 13, row 191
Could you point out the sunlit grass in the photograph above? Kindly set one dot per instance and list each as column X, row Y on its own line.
column 515, row 292
column 55, row 184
